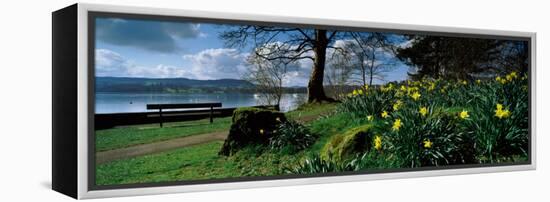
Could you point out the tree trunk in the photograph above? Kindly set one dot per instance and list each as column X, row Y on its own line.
column 315, row 90
column 363, row 72
column 372, row 68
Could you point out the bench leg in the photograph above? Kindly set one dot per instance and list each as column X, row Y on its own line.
column 160, row 117
column 211, row 114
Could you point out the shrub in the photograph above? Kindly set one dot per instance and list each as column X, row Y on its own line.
column 292, row 136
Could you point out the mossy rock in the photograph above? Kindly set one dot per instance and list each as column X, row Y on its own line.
column 346, row 145
column 251, row 126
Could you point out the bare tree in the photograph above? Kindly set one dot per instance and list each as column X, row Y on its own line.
column 338, row 73
column 373, row 55
column 296, row 44
column 268, row 75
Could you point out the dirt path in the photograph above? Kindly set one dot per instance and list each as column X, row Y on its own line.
column 139, row 150
column 156, row 147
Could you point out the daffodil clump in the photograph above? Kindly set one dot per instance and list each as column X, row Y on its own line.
column 441, row 121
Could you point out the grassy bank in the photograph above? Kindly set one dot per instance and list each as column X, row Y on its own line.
column 203, row 161
column 404, row 125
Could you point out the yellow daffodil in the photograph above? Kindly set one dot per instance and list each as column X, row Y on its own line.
column 369, row 117
column 501, row 80
column 397, row 105
column 415, row 96
column 388, row 87
column 464, row 82
column 427, row 143
column 514, row 75
column 412, row 90
column 262, row 131
column 423, row 111
column 509, row 77
column 464, row 114
column 366, row 87
column 396, row 125
column 478, row 81
column 399, row 94
column 403, row 88
column 384, row 114
column 501, row 113
column 378, row 142
column 432, row 87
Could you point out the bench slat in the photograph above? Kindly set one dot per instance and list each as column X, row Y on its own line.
column 182, row 106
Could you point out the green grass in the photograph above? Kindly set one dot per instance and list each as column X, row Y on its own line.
column 193, row 163
column 167, row 166
column 121, row 137
column 311, row 111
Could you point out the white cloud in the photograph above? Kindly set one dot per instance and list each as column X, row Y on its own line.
column 299, row 74
column 160, row 71
column 108, row 60
column 207, row 64
column 217, row 63
column 110, row 63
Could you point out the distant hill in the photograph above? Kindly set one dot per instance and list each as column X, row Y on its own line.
column 129, row 84
column 175, row 85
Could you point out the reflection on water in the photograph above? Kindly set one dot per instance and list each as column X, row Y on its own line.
column 136, row 102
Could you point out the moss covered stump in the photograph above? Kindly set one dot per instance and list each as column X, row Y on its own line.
column 346, row 145
column 251, row 126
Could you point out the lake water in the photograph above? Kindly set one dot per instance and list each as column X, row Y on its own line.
column 136, row 102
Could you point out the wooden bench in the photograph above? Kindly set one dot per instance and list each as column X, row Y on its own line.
column 161, row 107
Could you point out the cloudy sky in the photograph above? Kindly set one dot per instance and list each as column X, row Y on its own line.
column 157, row 49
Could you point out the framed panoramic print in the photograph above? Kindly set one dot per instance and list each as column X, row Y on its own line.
column 149, row 101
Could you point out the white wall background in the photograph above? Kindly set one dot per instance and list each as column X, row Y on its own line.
column 25, row 89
